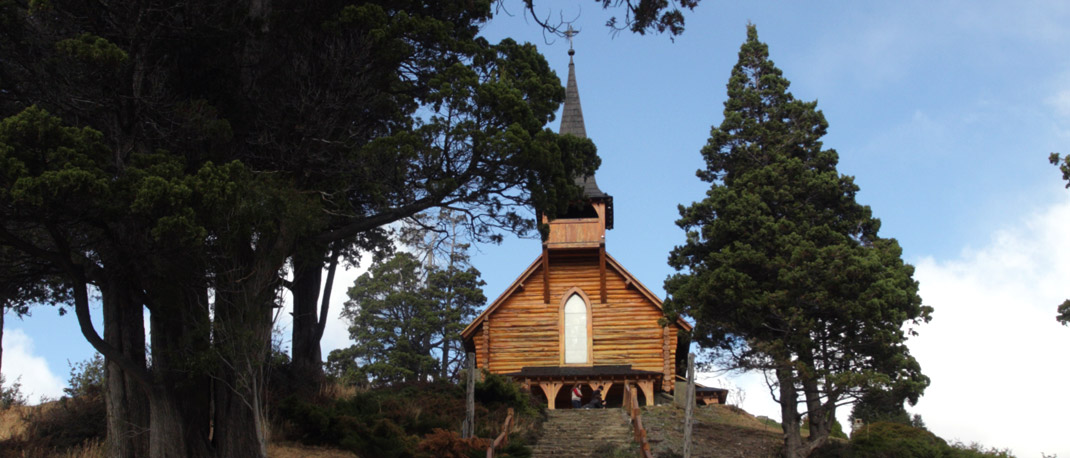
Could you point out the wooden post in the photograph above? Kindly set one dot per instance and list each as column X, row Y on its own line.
column 690, row 398
column 602, row 271
column 468, row 429
column 545, row 274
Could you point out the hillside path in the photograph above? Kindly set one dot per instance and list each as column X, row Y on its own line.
column 576, row 433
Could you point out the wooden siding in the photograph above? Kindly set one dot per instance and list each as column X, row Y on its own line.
column 526, row 331
column 574, row 233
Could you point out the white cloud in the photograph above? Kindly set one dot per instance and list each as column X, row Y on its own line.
column 31, row 370
column 994, row 352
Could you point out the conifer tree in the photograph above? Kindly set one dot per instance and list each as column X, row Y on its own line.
column 783, row 271
column 1063, row 163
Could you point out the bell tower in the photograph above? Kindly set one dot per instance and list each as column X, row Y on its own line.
column 583, row 227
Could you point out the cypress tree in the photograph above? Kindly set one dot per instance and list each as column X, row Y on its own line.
column 783, row 271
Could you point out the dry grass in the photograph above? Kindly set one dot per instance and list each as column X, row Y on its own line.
column 12, row 422
column 336, row 391
column 292, row 450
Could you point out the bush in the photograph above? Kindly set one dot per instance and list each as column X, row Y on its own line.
column 895, row 440
column 86, row 378
column 497, row 390
column 11, row 395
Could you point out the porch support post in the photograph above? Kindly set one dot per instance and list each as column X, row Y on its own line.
column 648, row 390
column 550, row 389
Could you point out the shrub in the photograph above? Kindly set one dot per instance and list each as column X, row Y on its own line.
column 498, row 390
column 441, row 443
column 11, row 395
column 86, row 378
column 895, row 440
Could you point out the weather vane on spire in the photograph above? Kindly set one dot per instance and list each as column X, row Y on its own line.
column 569, row 34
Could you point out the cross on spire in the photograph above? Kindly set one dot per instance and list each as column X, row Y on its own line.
column 569, row 34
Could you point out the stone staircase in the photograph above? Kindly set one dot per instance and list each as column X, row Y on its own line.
column 575, row 433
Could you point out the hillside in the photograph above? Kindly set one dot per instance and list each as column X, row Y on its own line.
column 719, row 431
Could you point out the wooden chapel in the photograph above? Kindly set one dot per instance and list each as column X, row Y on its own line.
column 576, row 316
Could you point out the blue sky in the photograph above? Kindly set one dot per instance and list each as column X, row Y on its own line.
column 944, row 112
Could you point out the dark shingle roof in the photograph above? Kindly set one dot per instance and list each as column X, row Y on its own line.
column 572, row 123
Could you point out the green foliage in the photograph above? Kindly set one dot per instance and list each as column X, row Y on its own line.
column 384, row 422
column 783, row 270
column 498, row 390
column 881, row 406
column 86, row 378
column 1063, row 311
column 895, row 440
column 392, row 322
column 406, row 317
column 180, row 169
column 92, row 49
column 1064, row 165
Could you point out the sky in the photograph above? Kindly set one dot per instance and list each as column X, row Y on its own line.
column 944, row 112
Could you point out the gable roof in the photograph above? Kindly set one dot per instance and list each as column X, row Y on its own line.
column 518, row 283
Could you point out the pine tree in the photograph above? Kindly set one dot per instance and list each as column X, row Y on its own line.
column 1063, row 163
column 782, row 270
column 406, row 316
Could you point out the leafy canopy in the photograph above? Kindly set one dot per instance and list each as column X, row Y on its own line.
column 782, row 269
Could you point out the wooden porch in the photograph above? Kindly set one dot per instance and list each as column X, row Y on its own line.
column 552, row 379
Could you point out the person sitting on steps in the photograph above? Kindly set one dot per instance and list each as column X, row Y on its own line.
column 596, row 400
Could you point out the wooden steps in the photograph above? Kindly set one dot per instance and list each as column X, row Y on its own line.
column 576, row 433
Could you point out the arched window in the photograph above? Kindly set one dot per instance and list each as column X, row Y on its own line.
column 575, row 330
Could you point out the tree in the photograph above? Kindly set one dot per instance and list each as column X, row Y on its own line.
column 783, row 271
column 406, row 314
column 392, row 323
column 1064, row 166
column 181, row 154
column 178, row 156
column 640, row 16
column 880, row 405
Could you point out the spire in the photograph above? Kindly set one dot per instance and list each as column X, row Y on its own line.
column 572, row 123
column 572, row 116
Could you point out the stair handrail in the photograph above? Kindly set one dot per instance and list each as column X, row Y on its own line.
column 503, row 439
column 631, row 406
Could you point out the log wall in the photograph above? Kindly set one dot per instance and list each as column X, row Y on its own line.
column 526, row 331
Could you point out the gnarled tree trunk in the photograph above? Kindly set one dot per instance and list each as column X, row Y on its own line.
column 126, row 399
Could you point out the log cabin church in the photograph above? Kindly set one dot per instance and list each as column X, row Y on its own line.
column 576, row 316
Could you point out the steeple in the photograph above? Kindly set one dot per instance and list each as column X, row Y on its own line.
column 572, row 116
column 572, row 123
column 586, row 220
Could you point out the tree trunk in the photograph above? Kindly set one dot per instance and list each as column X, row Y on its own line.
column 180, row 401
column 242, row 338
column 307, row 356
column 126, row 399
column 443, row 374
column 789, row 413
column 816, row 412
column 239, row 426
